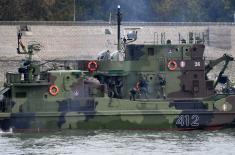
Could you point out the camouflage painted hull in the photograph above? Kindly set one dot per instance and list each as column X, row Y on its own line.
column 131, row 115
column 153, row 121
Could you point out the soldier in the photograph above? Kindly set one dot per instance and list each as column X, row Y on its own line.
column 161, row 86
column 132, row 93
column 24, row 69
column 111, row 90
column 118, row 85
column 107, row 56
column 142, row 85
column 111, row 85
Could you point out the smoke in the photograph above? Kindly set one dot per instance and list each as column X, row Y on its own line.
column 136, row 10
column 132, row 10
column 156, row 10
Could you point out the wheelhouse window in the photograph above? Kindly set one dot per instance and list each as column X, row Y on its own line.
column 20, row 94
column 150, row 51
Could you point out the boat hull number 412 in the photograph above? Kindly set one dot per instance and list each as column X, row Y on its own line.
column 187, row 121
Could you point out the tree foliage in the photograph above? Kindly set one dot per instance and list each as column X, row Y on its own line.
column 132, row 10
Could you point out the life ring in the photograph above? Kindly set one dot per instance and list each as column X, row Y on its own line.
column 172, row 65
column 92, row 66
column 54, row 90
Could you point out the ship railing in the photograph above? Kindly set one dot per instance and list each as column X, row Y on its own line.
column 20, row 78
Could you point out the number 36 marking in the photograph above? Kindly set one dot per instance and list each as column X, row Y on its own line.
column 197, row 64
column 186, row 120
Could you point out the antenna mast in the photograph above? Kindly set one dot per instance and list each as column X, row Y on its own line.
column 118, row 24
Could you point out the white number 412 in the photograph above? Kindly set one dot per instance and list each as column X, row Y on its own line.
column 186, row 120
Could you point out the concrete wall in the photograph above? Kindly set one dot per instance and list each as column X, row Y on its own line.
column 84, row 41
column 61, row 40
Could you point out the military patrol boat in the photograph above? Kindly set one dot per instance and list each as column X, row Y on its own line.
column 139, row 87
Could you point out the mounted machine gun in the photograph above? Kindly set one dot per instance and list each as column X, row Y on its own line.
column 28, row 68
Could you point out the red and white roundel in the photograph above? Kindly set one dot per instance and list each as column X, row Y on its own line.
column 182, row 64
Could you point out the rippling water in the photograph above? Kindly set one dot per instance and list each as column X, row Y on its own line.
column 119, row 142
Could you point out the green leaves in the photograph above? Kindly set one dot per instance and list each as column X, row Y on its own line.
column 133, row 10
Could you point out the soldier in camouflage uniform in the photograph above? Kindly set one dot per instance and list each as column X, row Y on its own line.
column 161, row 86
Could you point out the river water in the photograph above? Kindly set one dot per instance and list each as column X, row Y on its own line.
column 217, row 142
